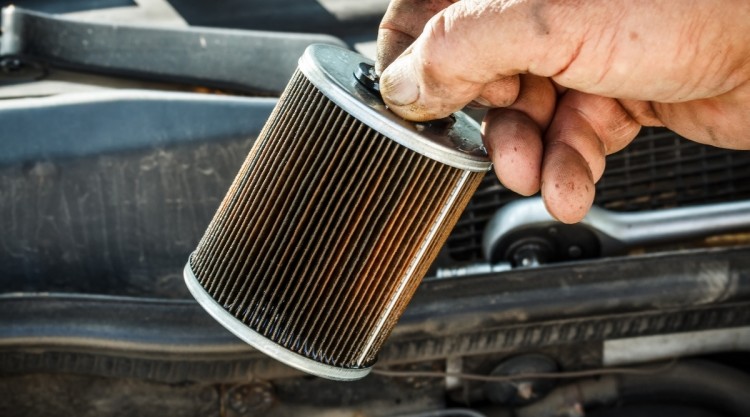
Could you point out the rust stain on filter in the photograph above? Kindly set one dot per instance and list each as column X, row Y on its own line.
column 333, row 220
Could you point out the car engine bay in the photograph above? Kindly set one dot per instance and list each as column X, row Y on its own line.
column 124, row 124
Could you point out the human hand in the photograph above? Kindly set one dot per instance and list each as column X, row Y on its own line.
column 569, row 82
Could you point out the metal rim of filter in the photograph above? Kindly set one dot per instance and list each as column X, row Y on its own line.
column 262, row 343
column 330, row 69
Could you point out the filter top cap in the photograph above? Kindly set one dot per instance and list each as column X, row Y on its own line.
column 331, row 69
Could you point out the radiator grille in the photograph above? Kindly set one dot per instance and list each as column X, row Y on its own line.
column 658, row 170
column 327, row 230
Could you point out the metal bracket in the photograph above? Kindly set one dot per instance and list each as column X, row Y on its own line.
column 253, row 62
column 524, row 233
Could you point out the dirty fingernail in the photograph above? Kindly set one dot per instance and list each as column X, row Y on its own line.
column 399, row 83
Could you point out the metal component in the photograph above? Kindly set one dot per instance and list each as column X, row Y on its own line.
column 529, row 252
column 12, row 67
column 365, row 74
column 473, row 269
column 330, row 69
column 264, row 344
column 602, row 232
column 644, row 349
column 191, row 55
column 521, row 391
column 315, row 268
column 10, row 32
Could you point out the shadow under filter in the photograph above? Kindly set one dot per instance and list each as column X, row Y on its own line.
column 333, row 220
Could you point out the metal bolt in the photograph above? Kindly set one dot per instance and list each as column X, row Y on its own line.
column 366, row 75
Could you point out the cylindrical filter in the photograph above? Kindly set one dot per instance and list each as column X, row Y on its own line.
column 333, row 220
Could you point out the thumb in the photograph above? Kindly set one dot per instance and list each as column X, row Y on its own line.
column 467, row 46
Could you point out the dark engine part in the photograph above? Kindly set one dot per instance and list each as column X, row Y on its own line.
column 227, row 59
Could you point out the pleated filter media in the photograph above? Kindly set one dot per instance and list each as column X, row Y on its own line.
column 333, row 220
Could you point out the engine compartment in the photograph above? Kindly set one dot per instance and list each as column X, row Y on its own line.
column 103, row 194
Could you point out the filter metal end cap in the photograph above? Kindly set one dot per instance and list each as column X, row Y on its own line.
column 330, row 69
column 263, row 344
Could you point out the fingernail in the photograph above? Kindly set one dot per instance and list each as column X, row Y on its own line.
column 399, row 83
